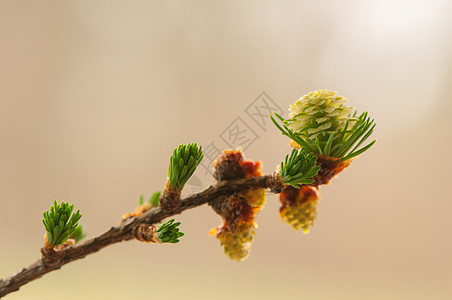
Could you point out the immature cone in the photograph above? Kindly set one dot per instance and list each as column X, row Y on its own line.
column 236, row 243
column 237, row 210
column 323, row 124
column 299, row 206
column 318, row 114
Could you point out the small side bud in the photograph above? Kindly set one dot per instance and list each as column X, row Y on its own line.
column 167, row 232
column 143, row 206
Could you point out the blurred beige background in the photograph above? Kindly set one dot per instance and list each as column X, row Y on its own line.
column 94, row 95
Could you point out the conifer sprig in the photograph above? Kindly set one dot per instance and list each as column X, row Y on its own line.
column 183, row 164
column 299, row 168
column 169, row 232
column 60, row 222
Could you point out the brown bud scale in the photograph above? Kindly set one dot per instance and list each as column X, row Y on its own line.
column 170, row 199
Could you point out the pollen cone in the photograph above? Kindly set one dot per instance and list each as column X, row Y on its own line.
column 299, row 206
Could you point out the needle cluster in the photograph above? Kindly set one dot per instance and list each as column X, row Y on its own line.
column 183, row 164
column 60, row 222
column 169, row 232
column 299, row 168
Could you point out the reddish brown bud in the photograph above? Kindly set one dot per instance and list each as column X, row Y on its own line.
column 330, row 167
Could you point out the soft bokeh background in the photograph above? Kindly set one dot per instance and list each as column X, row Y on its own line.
column 94, row 95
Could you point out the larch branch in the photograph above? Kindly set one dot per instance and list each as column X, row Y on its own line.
column 123, row 232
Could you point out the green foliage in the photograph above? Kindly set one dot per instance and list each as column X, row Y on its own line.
column 299, row 168
column 183, row 164
column 169, row 232
column 60, row 222
column 342, row 143
column 154, row 200
column 78, row 234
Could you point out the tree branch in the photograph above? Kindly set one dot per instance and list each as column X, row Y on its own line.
column 123, row 232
